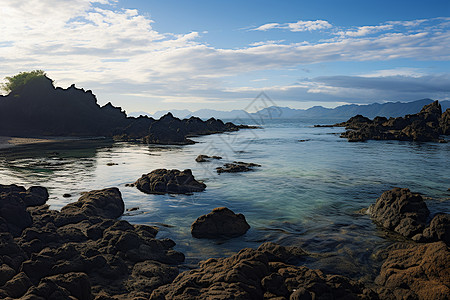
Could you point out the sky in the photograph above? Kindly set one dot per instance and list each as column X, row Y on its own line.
column 161, row 55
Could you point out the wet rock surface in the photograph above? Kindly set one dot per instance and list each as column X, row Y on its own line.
column 401, row 211
column 162, row 181
column 260, row 274
column 236, row 166
column 220, row 222
column 425, row 126
column 82, row 251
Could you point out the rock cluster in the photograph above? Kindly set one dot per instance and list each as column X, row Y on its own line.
column 236, row 166
column 205, row 158
column 220, row 222
column 406, row 213
column 427, row 125
column 264, row 273
column 79, row 252
column 162, row 181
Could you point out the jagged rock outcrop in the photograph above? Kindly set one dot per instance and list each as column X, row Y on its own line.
column 236, row 166
column 401, row 211
column 162, row 181
column 81, row 251
column 260, row 274
column 427, row 125
column 220, row 222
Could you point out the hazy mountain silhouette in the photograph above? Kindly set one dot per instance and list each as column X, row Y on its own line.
column 389, row 109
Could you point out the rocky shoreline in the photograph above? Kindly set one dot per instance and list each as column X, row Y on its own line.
column 426, row 126
column 85, row 252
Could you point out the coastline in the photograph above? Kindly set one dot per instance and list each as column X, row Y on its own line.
column 7, row 142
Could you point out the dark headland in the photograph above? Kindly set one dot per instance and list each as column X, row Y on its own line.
column 38, row 109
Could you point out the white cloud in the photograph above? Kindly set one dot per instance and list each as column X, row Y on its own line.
column 118, row 52
column 298, row 26
column 365, row 30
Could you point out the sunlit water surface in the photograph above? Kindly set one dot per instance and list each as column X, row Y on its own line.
column 306, row 193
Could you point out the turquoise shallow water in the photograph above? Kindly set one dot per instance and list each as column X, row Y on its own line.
column 305, row 193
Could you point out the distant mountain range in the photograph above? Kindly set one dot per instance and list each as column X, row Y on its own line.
column 389, row 109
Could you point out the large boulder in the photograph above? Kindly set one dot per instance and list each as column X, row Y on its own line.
column 106, row 203
column 220, row 222
column 445, row 122
column 401, row 211
column 162, row 181
column 438, row 230
column 416, row 271
column 254, row 274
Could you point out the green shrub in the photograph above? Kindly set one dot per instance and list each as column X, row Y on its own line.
column 15, row 83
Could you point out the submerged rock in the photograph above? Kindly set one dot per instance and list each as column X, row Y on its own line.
column 401, row 211
column 259, row 274
column 162, row 181
column 220, row 222
column 237, row 166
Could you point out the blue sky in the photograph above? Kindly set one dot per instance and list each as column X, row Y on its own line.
column 160, row 55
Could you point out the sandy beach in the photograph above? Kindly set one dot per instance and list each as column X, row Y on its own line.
column 8, row 141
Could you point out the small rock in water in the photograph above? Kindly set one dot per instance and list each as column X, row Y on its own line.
column 162, row 181
column 220, row 222
column 67, row 195
column 237, row 166
column 111, row 164
column 206, row 158
column 133, row 208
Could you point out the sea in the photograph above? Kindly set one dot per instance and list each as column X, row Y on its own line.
column 310, row 191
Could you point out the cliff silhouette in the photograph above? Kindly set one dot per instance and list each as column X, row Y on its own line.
column 40, row 109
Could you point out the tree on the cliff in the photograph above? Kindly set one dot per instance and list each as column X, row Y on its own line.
column 15, row 83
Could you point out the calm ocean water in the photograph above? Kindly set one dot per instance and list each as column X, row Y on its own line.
column 306, row 193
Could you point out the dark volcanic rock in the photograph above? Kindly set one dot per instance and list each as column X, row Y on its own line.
column 220, row 222
column 416, row 271
column 105, row 203
column 82, row 251
column 237, row 166
column 253, row 274
column 427, row 125
column 163, row 181
column 401, row 211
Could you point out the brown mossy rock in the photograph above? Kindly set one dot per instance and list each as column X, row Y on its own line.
column 162, row 181
column 416, row 271
column 439, row 229
column 252, row 274
column 220, row 222
column 106, row 203
column 401, row 211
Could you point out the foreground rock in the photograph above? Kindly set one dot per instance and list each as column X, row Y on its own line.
column 264, row 273
column 220, row 222
column 427, row 125
column 81, row 251
column 162, row 181
column 206, row 158
column 401, row 211
column 415, row 271
column 237, row 166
